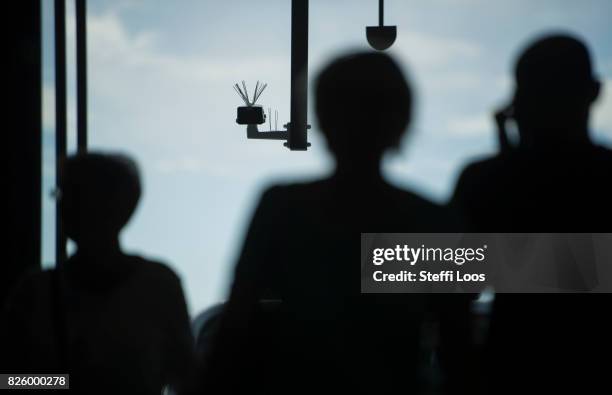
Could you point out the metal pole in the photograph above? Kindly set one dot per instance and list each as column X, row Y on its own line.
column 297, row 139
column 60, row 123
column 81, row 74
column 381, row 12
column 21, row 142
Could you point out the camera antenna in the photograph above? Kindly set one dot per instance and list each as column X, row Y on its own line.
column 244, row 93
column 258, row 91
column 241, row 94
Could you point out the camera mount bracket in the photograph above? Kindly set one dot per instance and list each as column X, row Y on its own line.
column 295, row 134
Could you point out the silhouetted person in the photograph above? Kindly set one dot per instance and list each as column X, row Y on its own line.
column 555, row 180
column 117, row 323
column 302, row 248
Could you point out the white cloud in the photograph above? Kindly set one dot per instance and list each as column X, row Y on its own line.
column 180, row 164
column 398, row 168
column 441, row 66
column 432, row 51
column 173, row 108
column 178, row 106
column 471, row 125
column 113, row 46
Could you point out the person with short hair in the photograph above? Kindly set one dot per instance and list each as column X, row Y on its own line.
column 302, row 248
column 117, row 323
column 554, row 179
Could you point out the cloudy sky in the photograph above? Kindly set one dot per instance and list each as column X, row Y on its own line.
column 161, row 76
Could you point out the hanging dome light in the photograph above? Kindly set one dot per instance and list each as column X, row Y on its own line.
column 381, row 37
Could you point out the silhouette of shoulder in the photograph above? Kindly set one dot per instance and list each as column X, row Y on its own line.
column 484, row 166
column 153, row 270
column 480, row 171
column 384, row 207
column 604, row 153
column 530, row 190
column 131, row 313
column 477, row 174
column 38, row 282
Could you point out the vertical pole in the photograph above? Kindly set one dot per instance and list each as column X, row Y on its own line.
column 21, row 141
column 381, row 12
column 81, row 74
column 60, row 123
column 297, row 140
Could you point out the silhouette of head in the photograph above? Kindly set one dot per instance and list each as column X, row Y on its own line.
column 363, row 103
column 99, row 195
column 555, row 88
